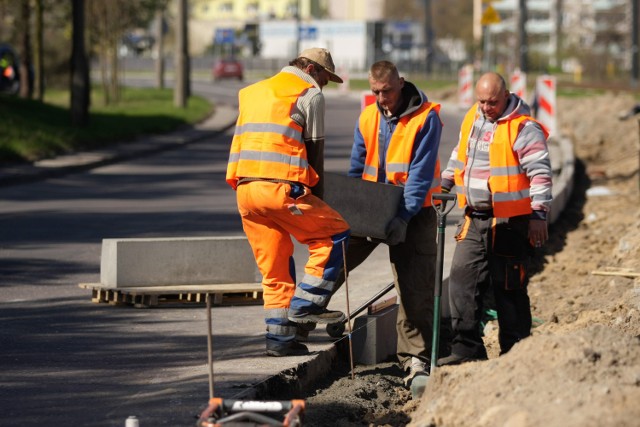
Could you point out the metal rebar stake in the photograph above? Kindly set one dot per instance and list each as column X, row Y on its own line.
column 346, row 288
column 209, row 346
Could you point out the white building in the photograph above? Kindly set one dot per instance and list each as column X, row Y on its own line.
column 565, row 30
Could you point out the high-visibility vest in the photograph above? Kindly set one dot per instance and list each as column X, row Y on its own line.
column 508, row 182
column 267, row 142
column 398, row 156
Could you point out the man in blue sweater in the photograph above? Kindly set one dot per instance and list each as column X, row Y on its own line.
column 396, row 141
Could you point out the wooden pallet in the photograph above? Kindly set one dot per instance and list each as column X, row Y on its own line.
column 152, row 296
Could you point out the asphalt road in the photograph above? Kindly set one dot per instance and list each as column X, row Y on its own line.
column 68, row 361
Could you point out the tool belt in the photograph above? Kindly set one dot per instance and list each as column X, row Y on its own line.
column 478, row 214
column 276, row 180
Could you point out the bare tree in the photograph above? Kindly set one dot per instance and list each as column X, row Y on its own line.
column 26, row 88
column 181, row 90
column 454, row 18
column 105, row 36
column 80, row 88
column 160, row 48
column 446, row 19
column 38, row 58
column 112, row 19
column 399, row 10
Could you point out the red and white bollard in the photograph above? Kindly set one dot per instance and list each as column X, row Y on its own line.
column 518, row 83
column 546, row 100
column 367, row 99
column 465, row 86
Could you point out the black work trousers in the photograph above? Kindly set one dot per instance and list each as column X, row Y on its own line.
column 413, row 263
column 491, row 255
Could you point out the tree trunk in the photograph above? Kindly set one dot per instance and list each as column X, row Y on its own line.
column 428, row 37
column 114, row 72
column 160, row 49
column 26, row 88
column 80, row 88
column 524, row 42
column 101, row 25
column 181, row 77
column 39, row 53
column 104, row 73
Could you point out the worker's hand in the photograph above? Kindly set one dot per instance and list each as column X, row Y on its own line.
column 396, row 231
column 538, row 233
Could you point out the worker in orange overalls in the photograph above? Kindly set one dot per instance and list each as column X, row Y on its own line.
column 276, row 166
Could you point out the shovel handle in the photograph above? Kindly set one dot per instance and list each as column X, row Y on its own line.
column 441, row 208
column 443, row 196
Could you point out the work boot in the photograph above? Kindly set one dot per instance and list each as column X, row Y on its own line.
column 291, row 348
column 302, row 331
column 417, row 377
column 457, row 359
column 322, row 316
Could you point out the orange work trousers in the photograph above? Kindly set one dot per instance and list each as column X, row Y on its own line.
column 270, row 216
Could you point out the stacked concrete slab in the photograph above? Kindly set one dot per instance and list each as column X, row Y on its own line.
column 177, row 262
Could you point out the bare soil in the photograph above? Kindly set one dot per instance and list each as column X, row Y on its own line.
column 581, row 366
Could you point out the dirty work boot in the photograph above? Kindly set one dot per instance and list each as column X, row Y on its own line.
column 322, row 316
column 417, row 377
column 291, row 348
column 302, row 331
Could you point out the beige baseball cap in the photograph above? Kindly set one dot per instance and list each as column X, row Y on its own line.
column 322, row 57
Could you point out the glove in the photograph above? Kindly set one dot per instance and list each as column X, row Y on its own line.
column 396, row 231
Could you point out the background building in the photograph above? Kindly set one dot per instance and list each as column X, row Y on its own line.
column 564, row 35
column 590, row 37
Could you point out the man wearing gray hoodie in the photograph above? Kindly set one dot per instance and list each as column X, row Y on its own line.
column 502, row 174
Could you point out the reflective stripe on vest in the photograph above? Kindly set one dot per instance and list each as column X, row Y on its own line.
column 267, row 142
column 398, row 157
column 508, row 183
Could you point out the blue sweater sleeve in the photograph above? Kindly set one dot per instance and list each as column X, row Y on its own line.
column 358, row 154
column 423, row 163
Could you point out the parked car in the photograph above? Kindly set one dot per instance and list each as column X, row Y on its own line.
column 9, row 70
column 228, row 68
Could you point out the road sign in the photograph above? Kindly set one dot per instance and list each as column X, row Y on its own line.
column 308, row 32
column 224, row 35
column 490, row 16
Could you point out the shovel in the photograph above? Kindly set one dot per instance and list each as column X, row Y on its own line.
column 441, row 210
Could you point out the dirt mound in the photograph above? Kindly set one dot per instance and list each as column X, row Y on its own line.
column 587, row 377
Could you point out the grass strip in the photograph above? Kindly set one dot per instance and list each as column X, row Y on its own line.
column 32, row 130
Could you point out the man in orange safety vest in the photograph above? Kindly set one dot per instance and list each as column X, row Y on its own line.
column 502, row 175
column 276, row 167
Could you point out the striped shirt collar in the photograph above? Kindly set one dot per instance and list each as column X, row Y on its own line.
column 304, row 76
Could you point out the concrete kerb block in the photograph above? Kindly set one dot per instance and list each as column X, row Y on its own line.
column 374, row 336
column 563, row 184
column 177, row 261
